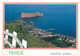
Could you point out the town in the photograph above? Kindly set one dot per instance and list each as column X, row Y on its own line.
column 44, row 34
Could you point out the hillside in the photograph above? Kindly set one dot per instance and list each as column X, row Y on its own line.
column 22, row 29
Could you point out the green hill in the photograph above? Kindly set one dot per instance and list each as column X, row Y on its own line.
column 22, row 30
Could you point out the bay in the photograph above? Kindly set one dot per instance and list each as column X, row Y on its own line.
column 62, row 17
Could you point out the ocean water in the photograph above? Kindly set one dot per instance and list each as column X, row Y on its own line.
column 62, row 17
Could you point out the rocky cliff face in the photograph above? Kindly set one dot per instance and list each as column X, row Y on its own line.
column 28, row 15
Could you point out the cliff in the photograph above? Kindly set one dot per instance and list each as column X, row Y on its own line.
column 28, row 15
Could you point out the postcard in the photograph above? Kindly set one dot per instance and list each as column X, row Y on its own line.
column 40, row 29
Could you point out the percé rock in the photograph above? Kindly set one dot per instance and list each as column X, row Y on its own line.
column 28, row 15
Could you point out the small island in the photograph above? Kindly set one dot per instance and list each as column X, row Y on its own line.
column 29, row 15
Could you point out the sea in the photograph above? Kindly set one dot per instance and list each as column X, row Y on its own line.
column 61, row 17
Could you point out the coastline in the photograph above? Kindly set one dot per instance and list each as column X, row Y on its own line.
column 43, row 34
column 55, row 33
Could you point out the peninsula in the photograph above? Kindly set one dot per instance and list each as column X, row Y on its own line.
column 29, row 15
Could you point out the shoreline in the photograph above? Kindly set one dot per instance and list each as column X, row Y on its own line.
column 37, row 31
column 43, row 34
column 55, row 33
